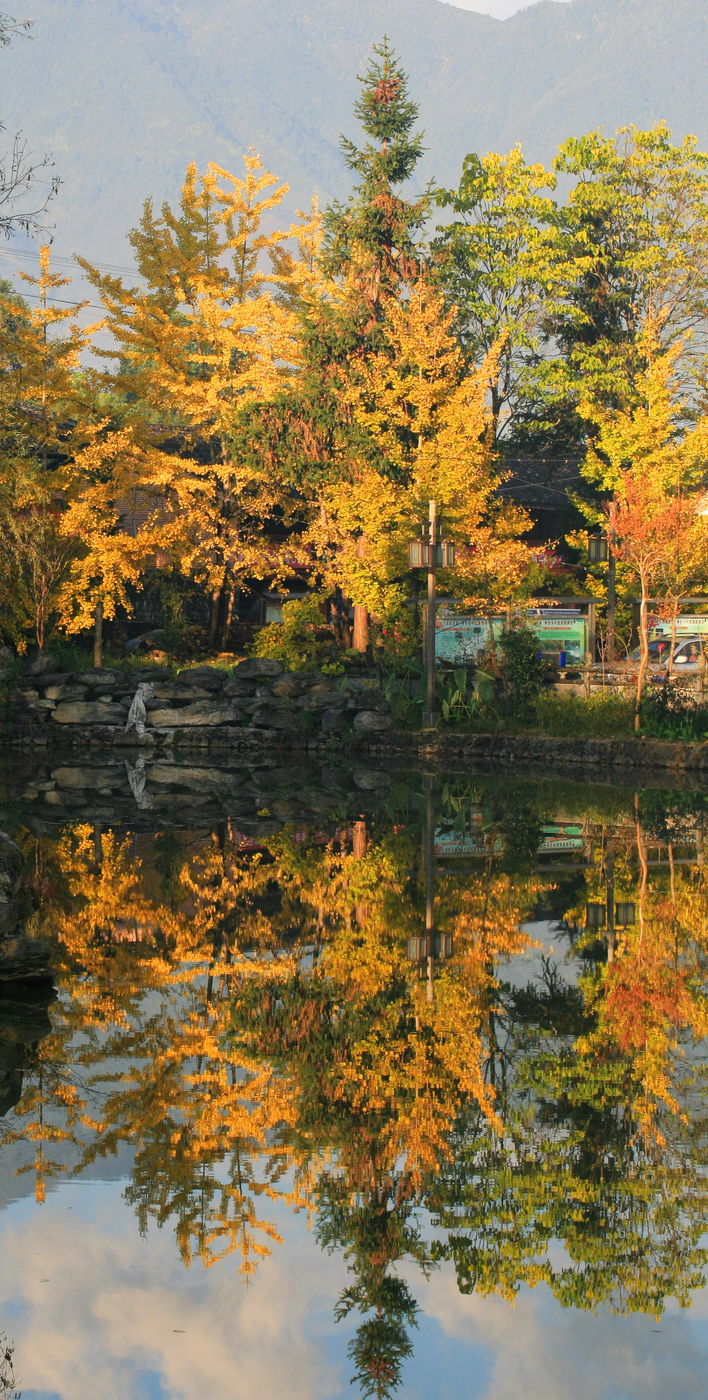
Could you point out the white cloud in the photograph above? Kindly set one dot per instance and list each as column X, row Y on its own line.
column 542, row 1352
column 500, row 9
column 95, row 1312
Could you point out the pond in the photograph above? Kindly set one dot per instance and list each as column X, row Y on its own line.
column 350, row 1075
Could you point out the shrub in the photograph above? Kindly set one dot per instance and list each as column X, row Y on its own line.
column 302, row 641
column 404, row 687
column 522, row 670
column 396, row 637
column 671, row 712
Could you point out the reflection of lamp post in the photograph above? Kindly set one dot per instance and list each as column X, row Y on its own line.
column 430, row 554
column 600, row 551
column 426, row 949
column 609, row 915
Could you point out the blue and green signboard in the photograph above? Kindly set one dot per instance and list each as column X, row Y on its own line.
column 687, row 625
column 463, row 637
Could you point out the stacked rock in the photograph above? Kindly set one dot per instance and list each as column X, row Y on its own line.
column 200, row 706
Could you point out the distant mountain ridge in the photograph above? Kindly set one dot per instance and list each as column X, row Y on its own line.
column 126, row 92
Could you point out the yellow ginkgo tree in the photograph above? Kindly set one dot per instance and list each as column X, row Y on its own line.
column 206, row 333
column 426, row 434
column 46, row 410
column 116, row 520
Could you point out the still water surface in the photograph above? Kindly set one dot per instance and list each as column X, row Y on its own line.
column 351, row 1076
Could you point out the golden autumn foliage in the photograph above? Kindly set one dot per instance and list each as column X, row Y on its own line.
column 651, row 1003
column 209, row 333
column 46, row 412
column 427, row 424
column 115, row 519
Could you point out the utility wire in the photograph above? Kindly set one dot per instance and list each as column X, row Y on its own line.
column 69, row 262
column 61, row 301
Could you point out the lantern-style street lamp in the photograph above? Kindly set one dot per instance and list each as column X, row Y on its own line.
column 600, row 551
column 422, row 555
column 431, row 554
column 610, row 916
column 599, row 916
column 422, row 946
column 625, row 914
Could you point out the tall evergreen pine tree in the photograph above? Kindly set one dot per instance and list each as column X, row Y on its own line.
column 372, row 236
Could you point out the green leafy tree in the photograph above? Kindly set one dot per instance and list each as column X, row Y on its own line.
column 633, row 253
column 496, row 260
column 370, row 256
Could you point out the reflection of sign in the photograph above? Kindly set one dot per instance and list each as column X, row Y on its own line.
column 561, row 837
column 471, row 839
column 466, row 843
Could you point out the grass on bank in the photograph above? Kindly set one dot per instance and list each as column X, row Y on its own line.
column 604, row 714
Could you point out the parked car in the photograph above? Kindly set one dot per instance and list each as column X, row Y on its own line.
column 687, row 652
column 690, row 653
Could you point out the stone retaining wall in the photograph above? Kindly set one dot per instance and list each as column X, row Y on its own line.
column 256, row 702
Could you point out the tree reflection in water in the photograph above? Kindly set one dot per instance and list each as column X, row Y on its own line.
column 265, row 1019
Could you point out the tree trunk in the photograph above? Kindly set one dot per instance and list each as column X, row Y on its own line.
column 359, row 844
column 40, row 617
column 359, row 840
column 672, row 644
column 216, row 599
column 610, row 645
column 643, row 656
column 228, row 620
column 360, row 636
column 340, row 620
column 98, row 634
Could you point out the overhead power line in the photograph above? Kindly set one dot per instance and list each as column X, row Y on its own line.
column 69, row 262
column 61, row 301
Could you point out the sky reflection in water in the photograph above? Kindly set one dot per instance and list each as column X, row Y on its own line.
column 253, row 1049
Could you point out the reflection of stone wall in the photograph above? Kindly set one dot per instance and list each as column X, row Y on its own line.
column 24, row 1021
column 256, row 702
column 552, row 755
column 258, row 797
column 22, row 958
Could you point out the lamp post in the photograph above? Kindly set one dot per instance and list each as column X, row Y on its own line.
column 430, row 554
column 600, row 551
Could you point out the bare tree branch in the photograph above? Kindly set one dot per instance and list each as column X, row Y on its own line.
column 24, row 196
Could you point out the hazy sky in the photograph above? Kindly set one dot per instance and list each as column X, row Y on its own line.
column 499, row 8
